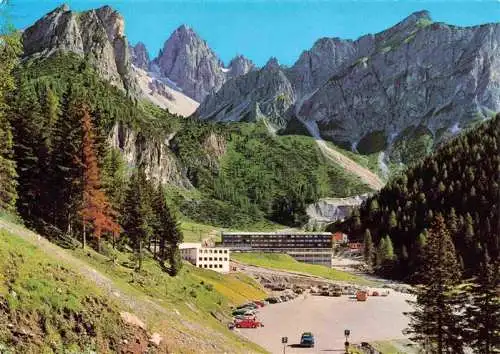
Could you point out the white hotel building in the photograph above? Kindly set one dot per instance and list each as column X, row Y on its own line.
column 213, row 258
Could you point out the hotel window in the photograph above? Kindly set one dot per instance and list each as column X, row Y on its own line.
column 225, row 251
column 225, row 258
column 209, row 266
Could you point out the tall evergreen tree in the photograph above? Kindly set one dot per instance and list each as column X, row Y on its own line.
column 368, row 248
column 10, row 49
column 31, row 153
column 137, row 214
column 66, row 164
column 437, row 320
column 167, row 231
column 483, row 315
column 95, row 208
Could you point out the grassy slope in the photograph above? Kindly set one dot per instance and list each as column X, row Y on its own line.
column 285, row 262
column 198, row 295
column 192, row 300
column 36, row 289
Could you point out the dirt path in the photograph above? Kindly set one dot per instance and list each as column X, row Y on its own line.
column 103, row 282
column 367, row 176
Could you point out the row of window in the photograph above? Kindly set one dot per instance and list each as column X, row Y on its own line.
column 210, row 259
column 212, row 251
column 210, row 266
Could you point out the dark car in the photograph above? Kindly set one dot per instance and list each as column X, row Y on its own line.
column 307, row 340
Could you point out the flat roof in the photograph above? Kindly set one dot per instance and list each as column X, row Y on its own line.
column 252, row 233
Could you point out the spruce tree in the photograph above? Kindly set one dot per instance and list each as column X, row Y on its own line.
column 368, row 248
column 9, row 50
column 483, row 314
column 138, row 215
column 168, row 232
column 437, row 319
column 66, row 168
column 95, row 209
column 31, row 153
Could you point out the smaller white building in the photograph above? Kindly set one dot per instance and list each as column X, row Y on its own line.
column 213, row 258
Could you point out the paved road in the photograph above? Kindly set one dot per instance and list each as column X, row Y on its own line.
column 379, row 318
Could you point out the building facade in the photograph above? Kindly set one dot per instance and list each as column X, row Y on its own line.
column 308, row 247
column 213, row 258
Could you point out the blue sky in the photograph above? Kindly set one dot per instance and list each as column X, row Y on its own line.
column 260, row 29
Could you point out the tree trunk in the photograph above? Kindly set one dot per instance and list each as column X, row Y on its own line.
column 84, row 236
column 140, row 255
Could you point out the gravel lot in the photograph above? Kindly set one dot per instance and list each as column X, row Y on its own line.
column 379, row 318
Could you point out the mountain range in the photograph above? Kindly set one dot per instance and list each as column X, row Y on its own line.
column 417, row 78
column 400, row 91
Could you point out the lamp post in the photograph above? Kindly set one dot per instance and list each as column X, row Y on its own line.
column 346, row 343
column 284, row 341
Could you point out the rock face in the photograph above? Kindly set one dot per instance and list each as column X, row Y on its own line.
column 266, row 92
column 157, row 157
column 98, row 35
column 329, row 210
column 380, row 88
column 187, row 60
column 140, row 56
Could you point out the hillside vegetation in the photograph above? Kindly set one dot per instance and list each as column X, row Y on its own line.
column 241, row 173
column 459, row 181
column 55, row 300
column 45, row 306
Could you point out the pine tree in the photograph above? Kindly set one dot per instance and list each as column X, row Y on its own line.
column 368, row 248
column 95, row 208
column 9, row 50
column 138, row 215
column 437, row 318
column 385, row 252
column 167, row 231
column 31, row 153
column 114, row 180
column 483, row 315
column 66, row 164
column 393, row 221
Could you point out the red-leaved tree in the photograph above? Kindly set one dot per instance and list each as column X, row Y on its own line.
column 95, row 211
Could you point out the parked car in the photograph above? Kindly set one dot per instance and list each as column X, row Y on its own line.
column 248, row 323
column 244, row 317
column 361, row 295
column 336, row 293
column 239, row 312
column 307, row 340
column 272, row 300
column 259, row 303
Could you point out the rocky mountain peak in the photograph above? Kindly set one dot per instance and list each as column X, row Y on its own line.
column 97, row 35
column 240, row 65
column 272, row 64
column 140, row 56
column 188, row 61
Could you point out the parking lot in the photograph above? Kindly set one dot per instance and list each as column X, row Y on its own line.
column 379, row 318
